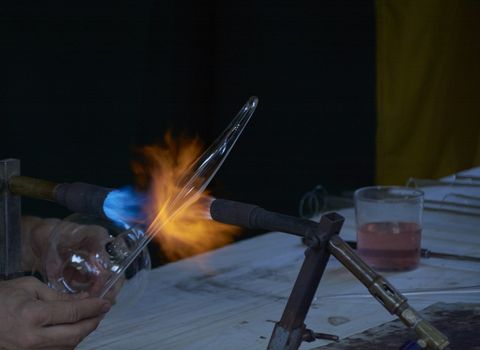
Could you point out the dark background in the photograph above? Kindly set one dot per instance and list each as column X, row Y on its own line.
column 84, row 83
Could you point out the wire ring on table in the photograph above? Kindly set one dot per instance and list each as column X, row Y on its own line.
column 313, row 202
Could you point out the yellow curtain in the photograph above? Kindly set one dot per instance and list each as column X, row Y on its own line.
column 428, row 88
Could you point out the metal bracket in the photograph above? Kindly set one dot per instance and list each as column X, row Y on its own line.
column 290, row 331
column 10, row 215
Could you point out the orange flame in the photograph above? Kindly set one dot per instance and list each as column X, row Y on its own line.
column 191, row 231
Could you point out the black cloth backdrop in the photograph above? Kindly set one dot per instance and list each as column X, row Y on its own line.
column 84, row 83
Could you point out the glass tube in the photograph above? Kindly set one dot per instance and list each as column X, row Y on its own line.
column 192, row 184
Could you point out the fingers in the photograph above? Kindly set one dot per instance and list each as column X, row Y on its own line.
column 69, row 335
column 42, row 292
column 41, row 230
column 34, row 287
column 48, row 294
column 84, row 235
column 72, row 311
column 98, row 232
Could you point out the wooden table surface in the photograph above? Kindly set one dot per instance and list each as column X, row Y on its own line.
column 229, row 298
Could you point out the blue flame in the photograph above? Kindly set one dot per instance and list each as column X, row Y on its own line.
column 125, row 206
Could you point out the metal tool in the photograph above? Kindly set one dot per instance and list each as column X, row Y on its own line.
column 322, row 240
column 427, row 254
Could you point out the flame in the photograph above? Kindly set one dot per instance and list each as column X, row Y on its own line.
column 191, row 230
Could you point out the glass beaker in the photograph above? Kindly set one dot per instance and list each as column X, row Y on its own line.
column 389, row 226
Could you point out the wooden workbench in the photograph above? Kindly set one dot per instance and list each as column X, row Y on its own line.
column 229, row 298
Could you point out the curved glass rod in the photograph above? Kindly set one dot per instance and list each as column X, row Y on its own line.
column 192, row 183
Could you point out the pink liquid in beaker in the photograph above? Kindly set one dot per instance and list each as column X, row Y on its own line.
column 390, row 246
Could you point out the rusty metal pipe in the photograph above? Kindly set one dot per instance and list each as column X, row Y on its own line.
column 387, row 295
column 31, row 187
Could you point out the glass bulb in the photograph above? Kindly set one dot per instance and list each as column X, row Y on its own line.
column 86, row 251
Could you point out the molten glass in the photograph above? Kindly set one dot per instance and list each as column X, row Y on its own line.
column 175, row 211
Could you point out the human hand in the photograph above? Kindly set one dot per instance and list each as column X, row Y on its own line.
column 71, row 255
column 35, row 241
column 33, row 316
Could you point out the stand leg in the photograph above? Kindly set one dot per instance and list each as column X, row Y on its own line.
column 290, row 331
column 10, row 214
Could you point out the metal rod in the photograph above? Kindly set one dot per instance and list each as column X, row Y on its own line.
column 10, row 215
column 427, row 254
column 387, row 295
column 290, row 331
column 311, row 272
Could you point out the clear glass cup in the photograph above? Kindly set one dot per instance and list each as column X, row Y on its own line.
column 79, row 260
column 389, row 226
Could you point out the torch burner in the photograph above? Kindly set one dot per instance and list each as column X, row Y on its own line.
column 78, row 197
column 322, row 240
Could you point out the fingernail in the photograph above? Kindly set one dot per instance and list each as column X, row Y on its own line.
column 105, row 308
